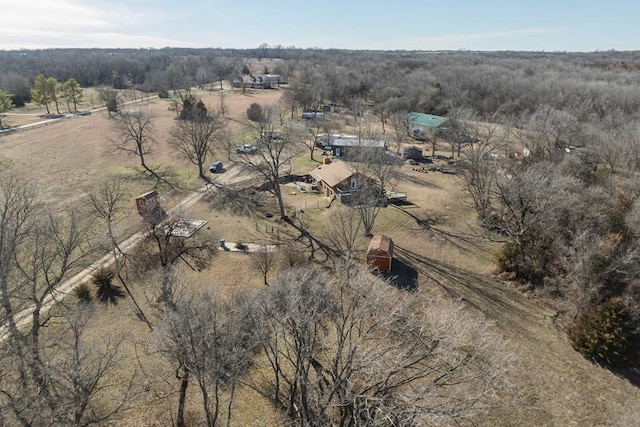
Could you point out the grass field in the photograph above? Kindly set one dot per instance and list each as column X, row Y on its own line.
column 437, row 244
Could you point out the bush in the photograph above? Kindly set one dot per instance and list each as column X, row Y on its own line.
column 607, row 333
column 505, row 258
column 192, row 109
column 107, row 292
column 83, row 293
column 531, row 258
column 18, row 101
column 255, row 113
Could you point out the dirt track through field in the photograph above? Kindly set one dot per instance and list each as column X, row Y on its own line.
column 546, row 363
column 23, row 318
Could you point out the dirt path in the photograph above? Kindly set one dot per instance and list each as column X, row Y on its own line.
column 546, row 363
column 232, row 175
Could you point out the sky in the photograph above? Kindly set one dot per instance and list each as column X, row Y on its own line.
column 489, row 25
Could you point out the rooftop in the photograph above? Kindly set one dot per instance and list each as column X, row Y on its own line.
column 382, row 243
column 340, row 140
column 427, row 120
column 333, row 173
column 354, row 142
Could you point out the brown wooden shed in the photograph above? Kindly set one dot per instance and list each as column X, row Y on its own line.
column 147, row 202
column 380, row 253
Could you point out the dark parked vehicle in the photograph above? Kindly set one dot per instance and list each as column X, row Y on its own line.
column 216, row 167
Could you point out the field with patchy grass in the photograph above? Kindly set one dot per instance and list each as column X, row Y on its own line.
column 438, row 250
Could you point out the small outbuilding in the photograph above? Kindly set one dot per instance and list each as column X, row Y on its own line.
column 412, row 153
column 147, row 202
column 380, row 253
column 421, row 126
column 148, row 206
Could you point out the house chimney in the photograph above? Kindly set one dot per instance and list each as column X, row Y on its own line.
column 326, row 161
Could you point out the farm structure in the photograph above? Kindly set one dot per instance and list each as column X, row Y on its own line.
column 259, row 81
column 147, row 202
column 421, row 125
column 380, row 253
column 350, row 145
column 412, row 153
column 148, row 207
column 338, row 179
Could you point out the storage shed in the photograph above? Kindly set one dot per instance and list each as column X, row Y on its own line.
column 412, row 153
column 380, row 253
column 147, row 202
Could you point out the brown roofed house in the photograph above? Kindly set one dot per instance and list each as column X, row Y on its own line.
column 338, row 177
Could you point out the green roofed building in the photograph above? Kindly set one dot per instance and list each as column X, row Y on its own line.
column 421, row 125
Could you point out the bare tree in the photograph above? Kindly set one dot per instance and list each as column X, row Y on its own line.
column 222, row 68
column 355, row 353
column 135, row 136
column 400, row 128
column 375, row 171
column 164, row 246
column 459, row 131
column 79, row 367
column 39, row 250
column 210, row 344
column 481, row 168
column 273, row 159
column 529, row 209
column 108, row 201
column 317, row 127
column 264, row 260
column 194, row 137
column 546, row 131
column 344, row 234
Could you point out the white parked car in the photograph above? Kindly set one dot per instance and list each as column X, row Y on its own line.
column 246, row 149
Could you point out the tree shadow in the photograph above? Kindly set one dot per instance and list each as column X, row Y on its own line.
column 486, row 294
column 407, row 177
column 429, row 224
column 315, row 244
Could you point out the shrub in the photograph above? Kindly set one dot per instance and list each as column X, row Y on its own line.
column 530, row 258
column 107, row 292
column 192, row 109
column 607, row 333
column 83, row 293
column 255, row 113
column 18, row 101
column 506, row 256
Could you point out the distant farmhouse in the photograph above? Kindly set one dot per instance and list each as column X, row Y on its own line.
column 421, row 125
column 350, row 145
column 260, row 81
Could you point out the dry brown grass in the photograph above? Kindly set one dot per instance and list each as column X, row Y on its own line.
column 435, row 239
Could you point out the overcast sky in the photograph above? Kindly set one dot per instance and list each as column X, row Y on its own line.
column 560, row 25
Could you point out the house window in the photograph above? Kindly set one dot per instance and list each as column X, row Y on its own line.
column 354, row 183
